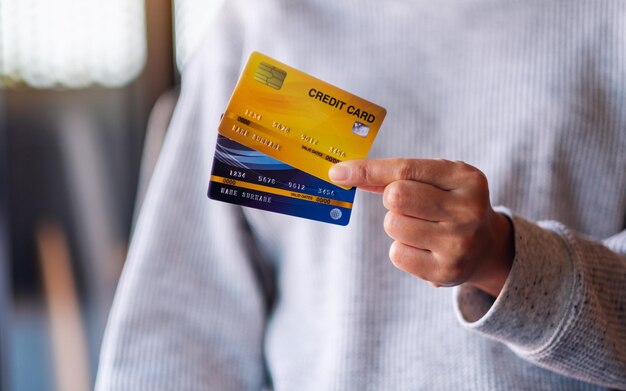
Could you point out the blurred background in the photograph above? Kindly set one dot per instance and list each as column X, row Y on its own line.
column 87, row 88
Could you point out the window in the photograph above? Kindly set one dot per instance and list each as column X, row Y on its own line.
column 71, row 43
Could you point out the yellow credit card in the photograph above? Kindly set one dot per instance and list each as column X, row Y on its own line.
column 298, row 119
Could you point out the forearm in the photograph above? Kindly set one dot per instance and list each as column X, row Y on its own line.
column 562, row 307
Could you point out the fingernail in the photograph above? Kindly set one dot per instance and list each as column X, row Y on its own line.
column 338, row 173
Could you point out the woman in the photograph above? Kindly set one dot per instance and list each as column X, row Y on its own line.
column 530, row 95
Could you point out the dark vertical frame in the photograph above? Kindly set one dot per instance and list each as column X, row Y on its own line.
column 4, row 254
column 158, row 76
column 113, row 110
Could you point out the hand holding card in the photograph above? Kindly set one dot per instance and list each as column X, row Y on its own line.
column 298, row 127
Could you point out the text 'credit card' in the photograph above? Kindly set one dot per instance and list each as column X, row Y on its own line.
column 282, row 131
column 298, row 119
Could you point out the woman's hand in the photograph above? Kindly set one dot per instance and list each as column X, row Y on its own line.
column 440, row 217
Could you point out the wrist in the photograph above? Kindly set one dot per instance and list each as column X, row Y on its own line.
column 497, row 263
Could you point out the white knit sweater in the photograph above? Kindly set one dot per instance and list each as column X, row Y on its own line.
column 532, row 92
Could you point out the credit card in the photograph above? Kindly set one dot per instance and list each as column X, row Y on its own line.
column 243, row 176
column 298, row 119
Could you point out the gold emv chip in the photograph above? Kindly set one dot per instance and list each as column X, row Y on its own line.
column 270, row 75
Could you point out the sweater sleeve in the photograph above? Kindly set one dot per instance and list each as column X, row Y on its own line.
column 563, row 306
column 191, row 305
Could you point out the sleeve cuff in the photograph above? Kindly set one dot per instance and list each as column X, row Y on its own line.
column 533, row 304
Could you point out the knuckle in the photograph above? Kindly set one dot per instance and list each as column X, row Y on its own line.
column 463, row 166
column 462, row 245
column 406, row 169
column 362, row 173
column 395, row 255
column 473, row 176
column 455, row 164
column 478, row 179
column 393, row 197
column 451, row 273
column 389, row 223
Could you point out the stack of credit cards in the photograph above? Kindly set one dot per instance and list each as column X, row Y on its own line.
column 281, row 133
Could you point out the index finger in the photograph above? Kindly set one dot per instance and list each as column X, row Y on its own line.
column 371, row 173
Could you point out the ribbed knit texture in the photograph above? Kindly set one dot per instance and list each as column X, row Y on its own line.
column 531, row 92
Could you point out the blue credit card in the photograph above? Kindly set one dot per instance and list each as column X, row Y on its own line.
column 247, row 177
